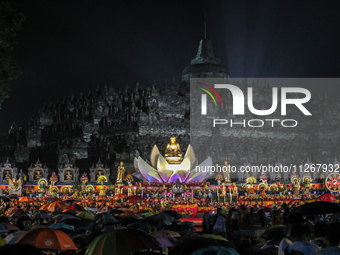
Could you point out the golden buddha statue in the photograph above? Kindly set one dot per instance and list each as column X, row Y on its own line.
column 173, row 154
column 120, row 175
column 226, row 172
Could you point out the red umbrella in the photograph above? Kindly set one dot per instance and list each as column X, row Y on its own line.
column 88, row 200
column 48, row 238
column 76, row 207
column 101, row 198
column 327, row 198
column 57, row 206
column 134, row 199
column 26, row 199
column 44, row 207
column 119, row 196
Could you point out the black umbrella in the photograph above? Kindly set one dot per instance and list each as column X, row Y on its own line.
column 14, row 249
column 173, row 214
column 128, row 220
column 317, row 207
column 40, row 215
column 190, row 245
column 6, row 199
column 140, row 226
column 275, row 232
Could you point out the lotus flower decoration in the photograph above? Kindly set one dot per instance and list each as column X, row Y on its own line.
column 159, row 170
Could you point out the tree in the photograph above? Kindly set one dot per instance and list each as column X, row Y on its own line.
column 10, row 22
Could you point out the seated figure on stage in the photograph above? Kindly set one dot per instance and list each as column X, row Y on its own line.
column 68, row 176
column 38, row 175
column 7, row 176
column 173, row 154
column 99, row 173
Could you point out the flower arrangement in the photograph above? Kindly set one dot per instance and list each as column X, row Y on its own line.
column 53, row 178
column 84, row 179
column 219, row 176
column 128, row 177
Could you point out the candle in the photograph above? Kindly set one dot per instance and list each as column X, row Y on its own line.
column 192, row 195
column 142, row 193
column 231, row 196
column 218, row 197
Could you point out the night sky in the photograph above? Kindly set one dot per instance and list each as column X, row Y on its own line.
column 66, row 47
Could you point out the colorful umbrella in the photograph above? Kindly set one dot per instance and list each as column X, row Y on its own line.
column 57, row 206
column 48, row 238
column 26, row 199
column 85, row 214
column 121, row 241
column 327, row 198
column 119, row 196
column 134, row 199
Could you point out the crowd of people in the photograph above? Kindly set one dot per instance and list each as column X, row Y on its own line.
column 242, row 229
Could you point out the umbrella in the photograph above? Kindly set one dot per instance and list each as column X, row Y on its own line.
column 62, row 217
column 190, row 245
column 69, row 200
column 85, row 214
column 44, row 207
column 140, row 226
column 275, row 232
column 87, row 200
column 119, row 196
column 166, row 233
column 76, row 207
column 10, row 226
column 214, row 237
column 115, row 211
column 2, row 242
column 80, row 224
column 163, row 241
column 48, row 238
column 3, row 229
column 26, row 199
column 12, row 238
column 26, row 249
column 4, row 219
column 101, row 198
column 37, row 226
column 120, row 242
column 6, row 199
column 134, row 199
column 104, row 209
column 63, row 227
column 50, row 198
column 317, row 207
column 41, row 215
column 17, row 214
column 215, row 250
column 162, row 218
column 141, row 212
column 129, row 220
column 327, row 198
column 12, row 196
column 57, row 206
column 105, row 218
column 173, row 214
